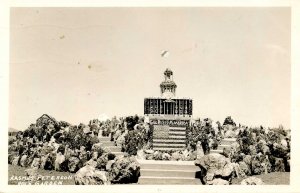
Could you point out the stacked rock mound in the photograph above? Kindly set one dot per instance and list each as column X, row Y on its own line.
column 53, row 145
column 121, row 170
column 216, row 169
column 175, row 155
column 260, row 151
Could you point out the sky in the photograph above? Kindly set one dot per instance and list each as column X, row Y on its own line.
column 77, row 64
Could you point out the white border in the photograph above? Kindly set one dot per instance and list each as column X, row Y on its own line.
column 295, row 102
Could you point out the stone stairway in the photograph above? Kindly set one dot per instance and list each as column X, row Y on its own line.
column 225, row 143
column 169, row 172
column 110, row 146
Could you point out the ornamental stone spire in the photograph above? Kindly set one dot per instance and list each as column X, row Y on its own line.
column 168, row 86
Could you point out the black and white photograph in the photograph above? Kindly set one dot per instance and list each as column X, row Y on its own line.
column 149, row 96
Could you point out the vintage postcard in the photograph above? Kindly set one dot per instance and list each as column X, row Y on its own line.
column 151, row 98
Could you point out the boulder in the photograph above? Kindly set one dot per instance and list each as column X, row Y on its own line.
column 88, row 175
column 252, row 150
column 175, row 156
column 200, row 152
column 244, row 169
column 73, row 164
column 141, row 154
column 102, row 161
column 23, row 161
column 109, row 164
column 157, row 155
column 11, row 157
column 149, row 151
column 256, row 167
column 248, row 159
column 124, row 170
column 166, row 156
column 60, row 159
column 91, row 162
column 218, row 181
column 43, row 161
column 214, row 166
column 36, row 163
column 279, row 165
column 252, row 181
column 284, row 143
column 121, row 140
column 15, row 160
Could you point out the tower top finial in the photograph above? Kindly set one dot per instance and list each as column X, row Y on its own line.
column 168, row 72
column 168, row 86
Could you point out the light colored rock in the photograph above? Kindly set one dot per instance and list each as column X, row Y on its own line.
column 252, row 181
column 121, row 140
column 200, row 152
column 109, row 164
column 279, row 165
column 244, row 169
column 88, row 175
column 284, row 143
column 15, row 161
column 23, row 161
column 73, row 164
column 141, row 155
column 60, row 158
column 36, row 163
column 252, row 150
column 247, row 159
column 214, row 165
column 166, row 156
column 44, row 160
column 175, row 156
column 149, row 151
column 218, row 181
column 91, row 162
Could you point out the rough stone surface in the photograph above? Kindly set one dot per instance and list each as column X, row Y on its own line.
column 36, row 163
column 124, row 170
column 60, row 158
column 88, row 175
column 215, row 166
column 15, row 161
column 218, row 181
column 92, row 163
column 73, row 164
column 166, row 156
column 279, row 165
column 252, row 181
column 23, row 161
column 141, row 154
column 244, row 169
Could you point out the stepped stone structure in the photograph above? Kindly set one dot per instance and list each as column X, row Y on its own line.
column 108, row 144
column 169, row 116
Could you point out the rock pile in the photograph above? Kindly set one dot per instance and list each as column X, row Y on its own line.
column 215, row 169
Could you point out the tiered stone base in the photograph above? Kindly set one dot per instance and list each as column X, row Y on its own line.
column 110, row 146
column 225, row 143
column 169, row 172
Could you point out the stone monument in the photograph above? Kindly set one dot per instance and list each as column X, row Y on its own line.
column 168, row 116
